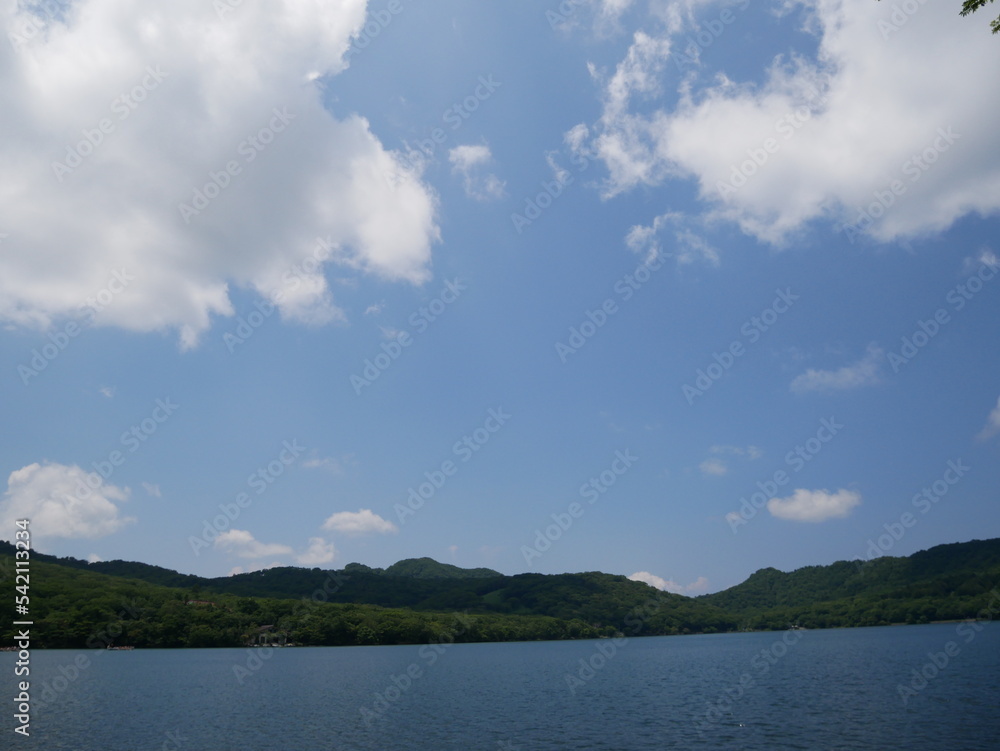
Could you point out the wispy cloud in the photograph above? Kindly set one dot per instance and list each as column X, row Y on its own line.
column 686, row 245
column 864, row 372
column 986, row 258
column 713, row 467
column 469, row 161
column 992, row 424
column 751, row 452
column 716, row 465
column 334, row 465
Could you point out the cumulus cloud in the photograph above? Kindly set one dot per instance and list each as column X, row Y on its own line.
column 840, row 128
column 181, row 104
column 814, row 505
column 468, row 161
column 61, row 501
column 669, row 585
column 360, row 522
column 992, row 424
column 319, row 551
column 864, row 372
column 241, row 543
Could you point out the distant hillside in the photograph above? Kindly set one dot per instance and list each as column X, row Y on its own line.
column 428, row 568
column 944, row 582
column 423, row 568
column 73, row 608
column 606, row 602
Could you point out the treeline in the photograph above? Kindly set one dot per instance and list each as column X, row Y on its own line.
column 602, row 601
column 81, row 609
column 76, row 604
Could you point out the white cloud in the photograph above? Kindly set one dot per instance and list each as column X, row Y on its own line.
column 716, row 466
column 669, row 585
column 986, row 258
column 687, row 246
column 864, row 372
column 375, row 308
column 242, row 544
column 468, row 161
column 713, row 467
column 360, row 522
column 331, row 464
column 108, row 391
column 612, row 9
column 469, row 156
column 151, row 489
column 94, row 558
column 621, row 137
column 319, row 551
column 845, row 125
column 60, row 502
column 814, row 505
column 606, row 14
column 992, row 423
column 217, row 83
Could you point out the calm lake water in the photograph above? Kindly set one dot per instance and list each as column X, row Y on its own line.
column 835, row 689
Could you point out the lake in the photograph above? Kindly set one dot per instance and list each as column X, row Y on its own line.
column 896, row 687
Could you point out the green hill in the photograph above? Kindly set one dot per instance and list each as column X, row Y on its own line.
column 75, row 608
column 407, row 601
column 945, row 582
column 428, row 568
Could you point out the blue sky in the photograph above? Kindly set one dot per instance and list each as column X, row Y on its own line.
column 609, row 263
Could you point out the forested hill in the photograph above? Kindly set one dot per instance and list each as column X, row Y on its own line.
column 424, row 568
column 73, row 606
column 598, row 598
column 945, row 582
column 954, row 581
